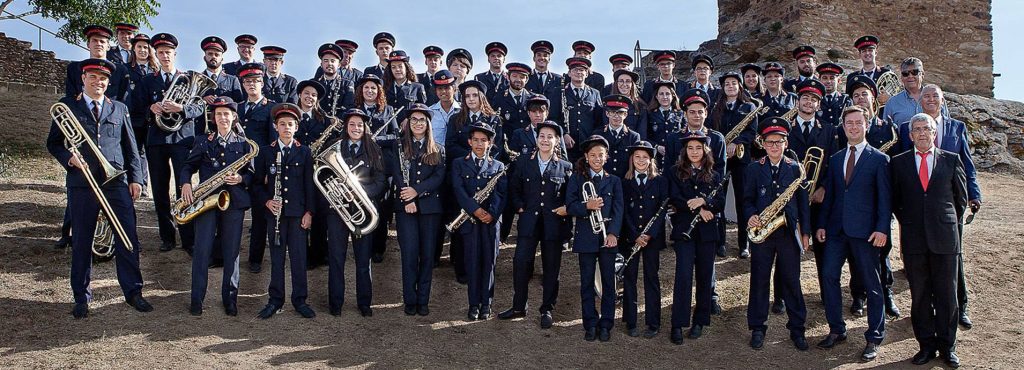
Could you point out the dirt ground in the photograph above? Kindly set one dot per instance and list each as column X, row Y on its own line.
column 37, row 330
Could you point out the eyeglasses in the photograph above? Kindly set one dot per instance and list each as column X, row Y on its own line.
column 912, row 72
column 617, row 113
column 922, row 129
column 417, row 120
column 703, row 69
column 773, row 143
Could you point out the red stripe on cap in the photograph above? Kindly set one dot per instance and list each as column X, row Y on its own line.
column 247, row 72
column 161, row 42
column 770, row 129
column 803, row 54
column 693, row 99
column 617, row 104
column 620, row 60
column 518, row 69
column 442, row 82
column 664, row 57
column 495, row 48
column 125, row 27
column 866, row 43
column 96, row 67
column 577, row 63
column 829, row 70
column 810, row 89
column 207, row 45
column 333, row 52
column 245, row 39
column 431, row 53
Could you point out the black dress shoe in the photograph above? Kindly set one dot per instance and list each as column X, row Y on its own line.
column 423, row 310
column 80, row 311
column 800, row 342
column 779, row 306
column 268, row 311
column 305, row 311
column 195, row 309
column 604, row 335
column 677, row 336
column 410, row 309
column 716, row 309
column 255, row 267
column 231, row 309
column 951, row 359
column 590, row 335
column 831, row 340
column 757, row 339
column 473, row 313
column 188, row 250
column 870, row 352
column 695, row 331
column 485, row 312
column 633, row 332
column 744, row 253
column 923, row 357
column 965, row 321
column 890, row 306
column 720, row 251
column 377, row 257
column 62, row 243
column 366, row 311
column 651, row 332
column 857, row 308
column 334, row 311
column 511, row 313
column 140, row 303
column 462, row 279
column 546, row 320
column 166, row 246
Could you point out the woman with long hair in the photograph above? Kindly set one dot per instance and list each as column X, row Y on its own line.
column 732, row 107
column 664, row 116
column 475, row 110
column 752, row 82
column 692, row 180
column 363, row 157
column 644, row 190
column 418, row 169
column 400, row 80
column 626, row 84
column 370, row 97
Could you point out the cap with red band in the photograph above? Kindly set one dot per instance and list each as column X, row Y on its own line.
column 214, row 42
column 273, row 52
column 583, row 46
column 443, row 77
column 250, row 70
column 803, row 51
column 164, row 39
column 518, row 68
column 95, row 30
column 866, row 41
column 810, row 86
column 578, row 62
column 620, row 58
column 664, row 55
column 245, row 39
column 496, row 47
column 347, row 45
column 616, row 102
column 126, row 27
column 432, row 50
column 775, row 125
column 829, row 68
column 97, row 65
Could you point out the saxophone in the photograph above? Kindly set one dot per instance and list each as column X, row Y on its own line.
column 209, row 193
column 788, row 116
column 889, row 144
column 773, row 217
column 480, row 196
column 335, row 125
column 759, row 109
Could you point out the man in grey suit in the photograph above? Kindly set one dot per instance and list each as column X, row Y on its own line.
column 929, row 192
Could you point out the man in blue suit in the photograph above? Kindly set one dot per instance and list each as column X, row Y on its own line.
column 854, row 220
column 951, row 135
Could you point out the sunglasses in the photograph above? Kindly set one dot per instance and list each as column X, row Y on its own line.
column 912, row 72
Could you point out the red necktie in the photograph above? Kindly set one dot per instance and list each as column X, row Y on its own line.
column 922, row 172
column 850, row 163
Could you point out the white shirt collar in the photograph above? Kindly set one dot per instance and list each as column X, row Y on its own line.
column 282, row 146
column 860, row 147
column 593, row 174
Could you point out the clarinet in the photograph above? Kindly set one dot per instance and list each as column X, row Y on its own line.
column 335, row 87
column 278, row 198
column 689, row 229
column 565, row 120
column 620, row 269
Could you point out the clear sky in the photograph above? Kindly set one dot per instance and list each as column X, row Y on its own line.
column 302, row 26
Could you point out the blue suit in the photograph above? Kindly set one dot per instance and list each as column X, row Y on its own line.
column 339, row 97
column 697, row 253
column 954, row 139
column 618, row 150
column 113, row 135
column 513, row 115
column 763, row 186
column 297, row 199
column 534, row 195
column 209, row 156
column 659, row 126
column 496, row 83
column 551, row 87
column 232, row 68
column 427, row 80
column 848, row 224
column 418, row 232
column 584, row 115
column 724, row 122
column 642, row 203
column 259, row 127
column 832, row 106
column 590, row 245
column 408, row 93
column 481, row 240
column 282, row 89
column 674, row 146
column 227, row 85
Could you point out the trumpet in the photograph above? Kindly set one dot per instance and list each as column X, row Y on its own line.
column 596, row 217
column 75, row 137
column 185, row 91
column 340, row 185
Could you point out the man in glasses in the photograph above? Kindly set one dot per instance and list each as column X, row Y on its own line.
column 906, row 104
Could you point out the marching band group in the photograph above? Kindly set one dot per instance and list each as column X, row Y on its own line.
column 617, row 171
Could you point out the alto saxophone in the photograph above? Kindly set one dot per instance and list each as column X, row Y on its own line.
column 889, row 144
column 335, row 125
column 480, row 196
column 773, row 217
column 210, row 193
column 759, row 109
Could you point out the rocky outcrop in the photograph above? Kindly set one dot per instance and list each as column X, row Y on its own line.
column 996, row 130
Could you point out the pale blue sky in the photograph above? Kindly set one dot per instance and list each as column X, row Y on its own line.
column 302, row 26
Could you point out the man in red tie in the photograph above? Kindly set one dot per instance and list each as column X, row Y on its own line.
column 929, row 192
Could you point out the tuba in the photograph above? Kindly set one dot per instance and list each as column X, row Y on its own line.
column 773, row 217
column 208, row 194
column 186, row 88
column 75, row 137
column 340, row 185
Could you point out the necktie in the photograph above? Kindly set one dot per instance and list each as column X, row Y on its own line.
column 775, row 173
column 96, row 111
column 807, row 128
column 353, row 149
column 732, row 105
column 850, row 163
column 597, row 178
column 643, row 179
column 543, row 167
column 922, row 172
column 284, row 152
column 473, row 117
column 419, row 147
column 541, row 79
column 518, row 99
column 576, row 90
column 167, row 79
column 248, row 106
column 305, row 116
column 479, row 162
column 273, row 81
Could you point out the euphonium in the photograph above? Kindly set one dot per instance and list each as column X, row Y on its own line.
column 773, row 217
column 210, row 193
column 185, row 91
column 759, row 109
column 74, row 137
column 340, row 185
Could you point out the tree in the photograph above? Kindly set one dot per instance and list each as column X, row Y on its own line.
column 80, row 13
